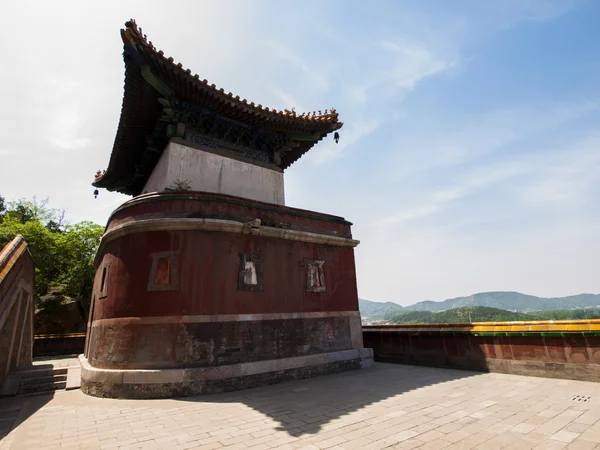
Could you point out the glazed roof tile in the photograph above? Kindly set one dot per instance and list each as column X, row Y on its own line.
column 134, row 35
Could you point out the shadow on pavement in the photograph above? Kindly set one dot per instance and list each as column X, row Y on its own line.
column 15, row 410
column 304, row 406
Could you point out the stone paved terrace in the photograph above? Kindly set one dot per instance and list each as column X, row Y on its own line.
column 389, row 406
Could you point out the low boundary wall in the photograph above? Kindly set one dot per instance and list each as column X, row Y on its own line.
column 16, row 307
column 556, row 349
column 58, row 344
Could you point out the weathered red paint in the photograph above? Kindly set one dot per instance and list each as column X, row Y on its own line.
column 205, row 204
column 208, row 269
column 468, row 351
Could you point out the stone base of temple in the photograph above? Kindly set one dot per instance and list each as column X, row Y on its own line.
column 168, row 383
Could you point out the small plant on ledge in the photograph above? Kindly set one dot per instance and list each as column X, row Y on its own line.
column 180, row 185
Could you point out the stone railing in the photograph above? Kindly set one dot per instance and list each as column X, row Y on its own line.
column 558, row 349
column 16, row 307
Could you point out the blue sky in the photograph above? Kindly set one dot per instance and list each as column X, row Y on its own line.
column 470, row 156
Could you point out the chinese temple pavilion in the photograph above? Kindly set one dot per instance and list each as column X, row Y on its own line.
column 206, row 281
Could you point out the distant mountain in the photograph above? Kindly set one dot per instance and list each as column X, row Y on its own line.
column 376, row 309
column 510, row 301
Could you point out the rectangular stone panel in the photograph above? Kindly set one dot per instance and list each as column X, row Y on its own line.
column 206, row 171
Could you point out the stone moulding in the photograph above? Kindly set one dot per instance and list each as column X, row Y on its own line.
column 199, row 196
column 226, row 226
column 196, row 380
column 151, row 320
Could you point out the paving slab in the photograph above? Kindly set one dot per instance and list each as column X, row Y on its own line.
column 387, row 406
column 73, row 378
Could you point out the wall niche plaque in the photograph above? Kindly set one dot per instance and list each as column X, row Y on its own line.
column 315, row 276
column 103, row 282
column 164, row 272
column 250, row 273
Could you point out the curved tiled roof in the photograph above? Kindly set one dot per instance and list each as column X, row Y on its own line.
column 129, row 164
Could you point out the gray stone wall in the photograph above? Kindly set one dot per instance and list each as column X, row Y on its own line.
column 206, row 171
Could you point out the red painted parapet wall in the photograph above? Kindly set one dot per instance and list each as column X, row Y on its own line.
column 193, row 280
column 558, row 349
column 202, row 237
column 16, row 306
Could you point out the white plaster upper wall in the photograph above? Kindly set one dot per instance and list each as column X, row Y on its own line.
column 210, row 172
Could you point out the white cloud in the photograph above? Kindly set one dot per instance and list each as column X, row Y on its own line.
column 500, row 202
column 414, row 62
column 434, row 201
column 462, row 139
column 316, row 77
column 64, row 127
column 545, row 10
column 568, row 175
column 400, row 68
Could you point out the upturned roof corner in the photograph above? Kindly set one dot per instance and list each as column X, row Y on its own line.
column 160, row 96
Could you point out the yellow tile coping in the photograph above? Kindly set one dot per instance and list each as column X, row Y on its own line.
column 591, row 325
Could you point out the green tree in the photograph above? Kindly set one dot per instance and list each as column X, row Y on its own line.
column 63, row 253
column 82, row 240
column 35, row 211
column 466, row 314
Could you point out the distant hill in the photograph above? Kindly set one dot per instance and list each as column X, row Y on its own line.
column 370, row 309
column 458, row 315
column 509, row 301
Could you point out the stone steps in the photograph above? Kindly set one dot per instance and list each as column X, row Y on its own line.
column 42, row 380
column 48, row 386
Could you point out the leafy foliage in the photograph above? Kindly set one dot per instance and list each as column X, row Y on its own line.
column 63, row 253
column 485, row 314
column 568, row 314
column 470, row 314
column 35, row 211
column 181, row 185
column 2, row 208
